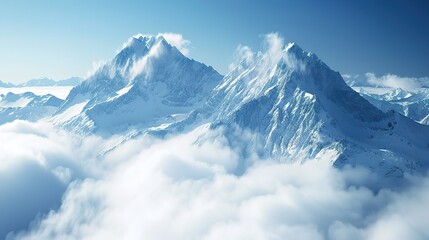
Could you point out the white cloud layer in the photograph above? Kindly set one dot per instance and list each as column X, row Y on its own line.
column 394, row 81
column 387, row 81
column 37, row 162
column 175, row 189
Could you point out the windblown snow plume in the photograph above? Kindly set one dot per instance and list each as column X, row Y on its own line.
column 273, row 50
column 177, row 40
column 144, row 65
column 242, row 55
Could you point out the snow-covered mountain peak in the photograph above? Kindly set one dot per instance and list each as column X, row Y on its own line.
column 148, row 40
column 295, row 49
column 147, row 80
column 286, row 69
column 133, row 48
column 135, row 58
column 298, row 108
column 396, row 94
column 282, row 102
column 141, row 44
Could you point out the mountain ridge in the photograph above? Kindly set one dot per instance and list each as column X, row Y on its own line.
column 302, row 109
column 282, row 103
column 148, row 81
column 44, row 82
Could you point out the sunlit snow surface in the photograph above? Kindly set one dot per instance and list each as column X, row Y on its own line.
column 413, row 104
column 69, row 113
column 155, row 145
column 20, row 102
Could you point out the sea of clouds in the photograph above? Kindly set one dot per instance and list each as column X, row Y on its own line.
column 58, row 185
column 392, row 81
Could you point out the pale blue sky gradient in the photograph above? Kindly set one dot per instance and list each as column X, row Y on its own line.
column 59, row 39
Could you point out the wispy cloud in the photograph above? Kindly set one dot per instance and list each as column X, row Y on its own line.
column 387, row 81
column 394, row 81
column 177, row 40
column 273, row 45
column 96, row 66
column 143, row 65
column 243, row 55
column 273, row 51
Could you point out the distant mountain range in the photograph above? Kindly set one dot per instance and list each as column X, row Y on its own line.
column 27, row 106
column 44, row 82
column 414, row 105
column 6, row 84
column 287, row 105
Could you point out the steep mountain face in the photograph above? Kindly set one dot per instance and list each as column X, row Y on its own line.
column 284, row 104
column 412, row 105
column 148, row 83
column 27, row 106
column 396, row 94
column 297, row 108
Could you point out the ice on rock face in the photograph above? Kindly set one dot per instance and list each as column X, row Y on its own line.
column 285, row 104
column 396, row 94
column 413, row 105
column 299, row 108
column 143, row 85
column 295, row 69
column 425, row 120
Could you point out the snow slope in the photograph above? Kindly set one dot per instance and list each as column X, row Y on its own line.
column 146, row 84
column 413, row 105
column 284, row 104
column 27, row 106
column 296, row 108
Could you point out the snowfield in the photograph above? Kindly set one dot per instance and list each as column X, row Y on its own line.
column 155, row 145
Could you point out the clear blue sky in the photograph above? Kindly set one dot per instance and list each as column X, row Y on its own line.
column 59, row 39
